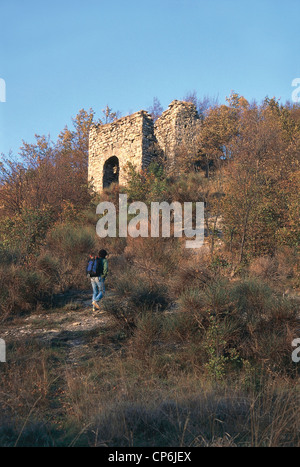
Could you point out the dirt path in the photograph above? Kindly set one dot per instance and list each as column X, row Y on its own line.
column 65, row 325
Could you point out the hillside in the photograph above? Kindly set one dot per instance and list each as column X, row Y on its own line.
column 193, row 347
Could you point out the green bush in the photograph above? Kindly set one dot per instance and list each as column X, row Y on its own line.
column 253, row 299
column 26, row 231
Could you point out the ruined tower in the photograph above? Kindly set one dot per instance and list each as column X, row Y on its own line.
column 177, row 126
column 133, row 139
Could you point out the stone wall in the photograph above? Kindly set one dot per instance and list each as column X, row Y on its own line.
column 177, row 126
column 133, row 139
column 128, row 139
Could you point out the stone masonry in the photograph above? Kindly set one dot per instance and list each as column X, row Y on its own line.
column 135, row 139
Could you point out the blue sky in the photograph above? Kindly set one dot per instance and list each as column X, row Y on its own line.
column 57, row 57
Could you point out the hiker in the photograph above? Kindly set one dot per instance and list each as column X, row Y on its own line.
column 97, row 270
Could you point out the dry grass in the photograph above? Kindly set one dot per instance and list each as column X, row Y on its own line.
column 191, row 357
column 146, row 388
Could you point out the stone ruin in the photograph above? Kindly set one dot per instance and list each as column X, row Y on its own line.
column 137, row 139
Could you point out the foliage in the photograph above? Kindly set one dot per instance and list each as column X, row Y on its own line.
column 26, row 231
column 146, row 185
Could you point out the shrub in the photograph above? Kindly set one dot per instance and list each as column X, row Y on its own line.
column 192, row 300
column 216, row 296
column 253, row 299
column 146, row 335
column 21, row 289
column 133, row 294
column 182, row 326
column 190, row 273
column 118, row 310
column 264, row 267
column 146, row 296
column 26, row 232
column 69, row 246
column 266, row 324
column 158, row 257
column 72, row 241
column 9, row 256
column 49, row 266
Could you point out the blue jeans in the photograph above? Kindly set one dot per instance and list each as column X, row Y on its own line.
column 98, row 288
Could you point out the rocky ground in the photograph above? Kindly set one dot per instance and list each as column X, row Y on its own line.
column 66, row 324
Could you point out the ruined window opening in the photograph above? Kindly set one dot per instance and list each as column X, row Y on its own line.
column 111, row 171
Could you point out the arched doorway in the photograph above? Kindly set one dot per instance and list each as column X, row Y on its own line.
column 111, row 171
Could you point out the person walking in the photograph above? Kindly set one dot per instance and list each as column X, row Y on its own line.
column 97, row 270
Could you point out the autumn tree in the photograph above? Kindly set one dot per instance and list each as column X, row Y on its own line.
column 203, row 104
column 258, row 180
column 71, row 160
column 46, row 180
column 109, row 116
column 12, row 185
column 217, row 130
